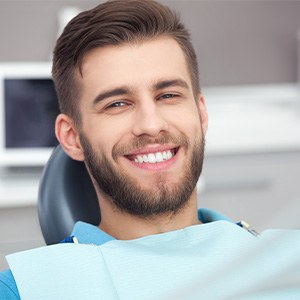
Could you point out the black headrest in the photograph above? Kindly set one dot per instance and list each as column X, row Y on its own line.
column 66, row 195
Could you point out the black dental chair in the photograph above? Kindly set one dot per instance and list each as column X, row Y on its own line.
column 66, row 195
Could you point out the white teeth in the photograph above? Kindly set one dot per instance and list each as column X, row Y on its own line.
column 151, row 158
column 164, row 155
column 169, row 154
column 154, row 157
column 159, row 157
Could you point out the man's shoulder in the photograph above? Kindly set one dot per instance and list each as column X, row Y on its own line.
column 8, row 287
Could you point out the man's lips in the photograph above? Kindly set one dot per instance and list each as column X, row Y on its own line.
column 152, row 155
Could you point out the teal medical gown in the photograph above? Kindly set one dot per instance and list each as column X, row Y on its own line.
column 215, row 260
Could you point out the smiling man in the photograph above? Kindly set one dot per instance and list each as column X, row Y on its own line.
column 141, row 134
column 126, row 76
column 138, row 120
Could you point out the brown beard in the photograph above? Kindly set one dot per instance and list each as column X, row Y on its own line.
column 125, row 192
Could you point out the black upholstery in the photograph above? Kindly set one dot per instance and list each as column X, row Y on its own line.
column 66, row 195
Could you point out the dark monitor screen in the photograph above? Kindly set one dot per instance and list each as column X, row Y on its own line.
column 31, row 107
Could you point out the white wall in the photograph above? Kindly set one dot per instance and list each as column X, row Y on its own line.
column 238, row 42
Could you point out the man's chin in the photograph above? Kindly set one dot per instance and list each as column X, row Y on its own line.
column 156, row 184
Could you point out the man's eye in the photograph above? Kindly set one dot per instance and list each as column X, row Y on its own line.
column 167, row 96
column 116, row 105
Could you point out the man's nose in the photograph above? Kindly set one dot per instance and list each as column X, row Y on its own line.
column 149, row 121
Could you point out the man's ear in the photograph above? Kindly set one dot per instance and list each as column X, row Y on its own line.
column 67, row 135
column 203, row 112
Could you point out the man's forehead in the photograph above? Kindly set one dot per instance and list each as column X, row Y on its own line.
column 164, row 47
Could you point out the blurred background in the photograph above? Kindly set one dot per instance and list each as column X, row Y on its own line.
column 249, row 58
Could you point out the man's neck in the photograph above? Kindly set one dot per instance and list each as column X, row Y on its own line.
column 124, row 226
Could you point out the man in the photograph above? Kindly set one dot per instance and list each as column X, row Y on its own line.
column 126, row 76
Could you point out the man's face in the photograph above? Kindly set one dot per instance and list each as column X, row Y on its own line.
column 141, row 130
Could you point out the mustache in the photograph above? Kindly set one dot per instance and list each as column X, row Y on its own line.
column 142, row 141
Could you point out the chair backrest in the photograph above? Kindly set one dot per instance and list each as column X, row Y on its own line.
column 66, row 195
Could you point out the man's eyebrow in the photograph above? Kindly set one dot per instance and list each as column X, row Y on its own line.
column 121, row 91
column 111, row 93
column 169, row 83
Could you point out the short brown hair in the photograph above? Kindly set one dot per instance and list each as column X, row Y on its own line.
column 113, row 23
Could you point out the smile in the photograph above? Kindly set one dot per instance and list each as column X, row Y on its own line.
column 154, row 157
